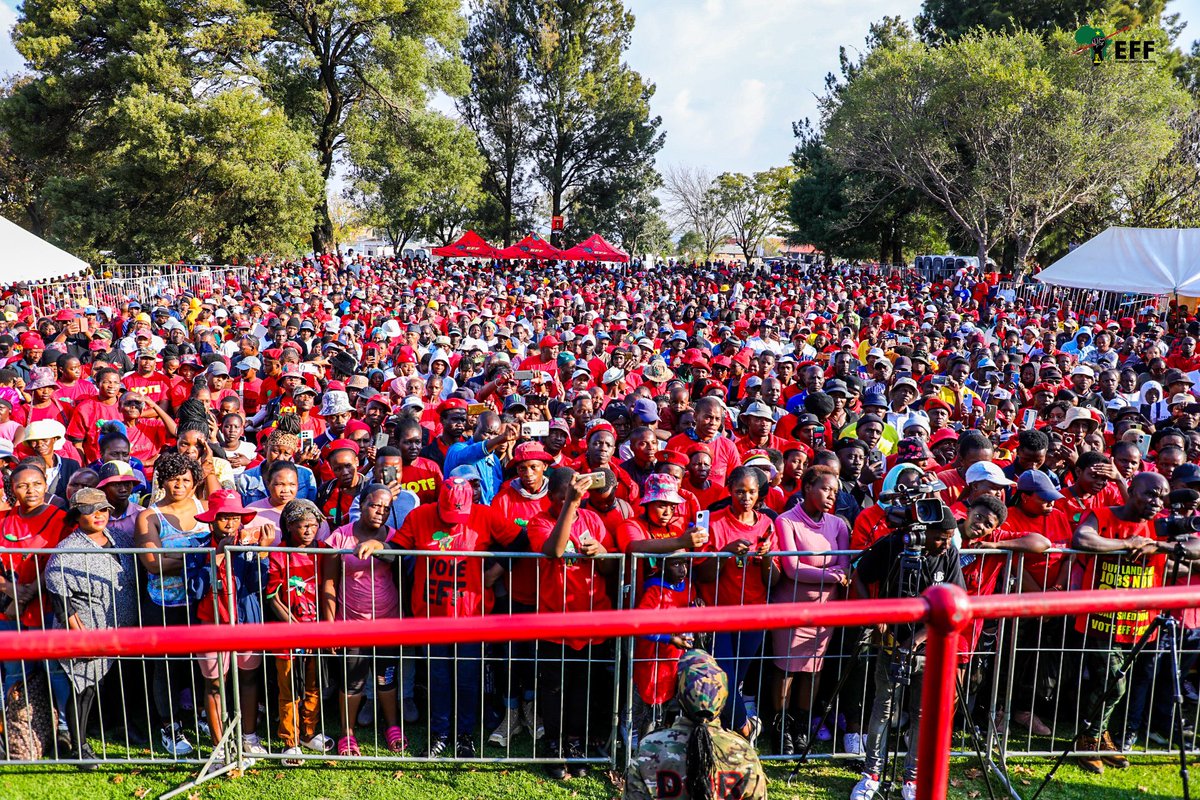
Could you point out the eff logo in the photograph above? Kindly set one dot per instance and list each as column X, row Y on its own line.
column 1105, row 47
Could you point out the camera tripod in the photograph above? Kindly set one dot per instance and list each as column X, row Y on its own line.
column 910, row 565
column 1168, row 628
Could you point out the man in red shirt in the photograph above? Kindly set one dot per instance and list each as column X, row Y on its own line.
column 578, row 665
column 759, row 423
column 710, row 416
column 453, row 586
column 1128, row 556
column 91, row 414
column 146, row 380
column 419, row 475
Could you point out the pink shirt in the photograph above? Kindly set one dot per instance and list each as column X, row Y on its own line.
column 365, row 589
column 796, row 531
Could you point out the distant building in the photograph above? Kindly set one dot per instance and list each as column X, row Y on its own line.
column 804, row 253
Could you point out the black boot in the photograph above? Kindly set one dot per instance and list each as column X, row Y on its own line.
column 800, row 732
column 782, row 728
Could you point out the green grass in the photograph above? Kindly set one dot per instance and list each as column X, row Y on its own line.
column 1149, row 777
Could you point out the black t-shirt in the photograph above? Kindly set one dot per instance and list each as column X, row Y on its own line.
column 880, row 565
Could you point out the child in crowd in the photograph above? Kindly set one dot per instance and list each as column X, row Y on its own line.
column 656, row 656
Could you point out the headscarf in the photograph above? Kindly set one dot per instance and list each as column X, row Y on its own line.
column 893, row 478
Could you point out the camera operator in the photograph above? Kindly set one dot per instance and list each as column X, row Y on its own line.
column 1132, row 555
column 897, row 567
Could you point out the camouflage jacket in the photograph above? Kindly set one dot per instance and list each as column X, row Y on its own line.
column 659, row 768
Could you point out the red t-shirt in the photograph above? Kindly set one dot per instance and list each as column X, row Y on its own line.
column 450, row 586
column 85, row 424
column 423, row 478
column 1120, row 571
column 156, row 386
column 571, row 583
column 739, row 582
column 869, row 527
column 724, row 453
column 511, row 508
column 42, row 530
column 1055, row 526
column 707, row 496
column 71, row 395
column 26, row 413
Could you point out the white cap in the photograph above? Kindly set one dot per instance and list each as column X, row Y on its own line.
column 986, row 471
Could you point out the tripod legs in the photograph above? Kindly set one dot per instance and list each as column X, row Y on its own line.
column 1167, row 625
column 1171, row 631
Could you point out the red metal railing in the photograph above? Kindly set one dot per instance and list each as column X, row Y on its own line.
column 945, row 610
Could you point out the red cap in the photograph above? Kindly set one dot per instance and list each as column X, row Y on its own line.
column 1044, row 387
column 530, row 451
column 32, row 341
column 937, row 402
column 549, row 341
column 354, row 426
column 339, row 444
column 599, row 426
column 455, row 501
column 451, row 403
column 273, row 353
column 672, row 457
column 699, row 447
column 65, row 315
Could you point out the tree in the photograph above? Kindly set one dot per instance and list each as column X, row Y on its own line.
column 497, row 110
column 138, row 142
column 325, row 59
column 948, row 19
column 416, row 180
column 1002, row 133
column 590, row 122
column 691, row 244
column 754, row 205
column 855, row 214
column 692, row 202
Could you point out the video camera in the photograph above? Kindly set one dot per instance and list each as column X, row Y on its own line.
column 1183, row 521
column 912, row 509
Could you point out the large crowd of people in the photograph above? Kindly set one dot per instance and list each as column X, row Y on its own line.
column 332, row 438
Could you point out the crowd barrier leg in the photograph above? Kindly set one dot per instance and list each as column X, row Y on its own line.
column 949, row 613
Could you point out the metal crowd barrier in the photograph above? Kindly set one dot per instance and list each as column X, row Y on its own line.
column 1009, row 667
column 143, row 283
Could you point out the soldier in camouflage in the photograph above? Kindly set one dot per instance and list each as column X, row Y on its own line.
column 696, row 759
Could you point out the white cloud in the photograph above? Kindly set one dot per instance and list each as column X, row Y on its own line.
column 10, row 59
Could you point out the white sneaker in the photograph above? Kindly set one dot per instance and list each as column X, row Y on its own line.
column 865, row 789
column 909, row 791
column 175, row 742
column 252, row 745
column 293, row 757
column 852, row 744
column 321, row 743
column 508, row 728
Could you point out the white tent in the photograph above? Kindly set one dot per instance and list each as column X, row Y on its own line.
column 1143, row 260
column 29, row 258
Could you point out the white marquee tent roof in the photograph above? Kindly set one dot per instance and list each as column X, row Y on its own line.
column 1144, row 260
column 26, row 257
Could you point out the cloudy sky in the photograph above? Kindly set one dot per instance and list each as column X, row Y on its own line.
column 732, row 75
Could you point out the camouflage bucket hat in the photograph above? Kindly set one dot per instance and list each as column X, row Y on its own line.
column 703, row 686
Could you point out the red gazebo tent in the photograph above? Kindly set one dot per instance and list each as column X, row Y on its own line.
column 532, row 246
column 469, row 245
column 595, row 248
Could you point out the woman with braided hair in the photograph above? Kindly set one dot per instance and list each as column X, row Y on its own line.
column 687, row 760
column 280, row 447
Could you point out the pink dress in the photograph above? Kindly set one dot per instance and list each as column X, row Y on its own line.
column 807, row 579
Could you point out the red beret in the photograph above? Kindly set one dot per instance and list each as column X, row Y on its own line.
column 339, row 444
column 451, row 403
column 672, row 457
column 274, row 354
column 937, row 402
